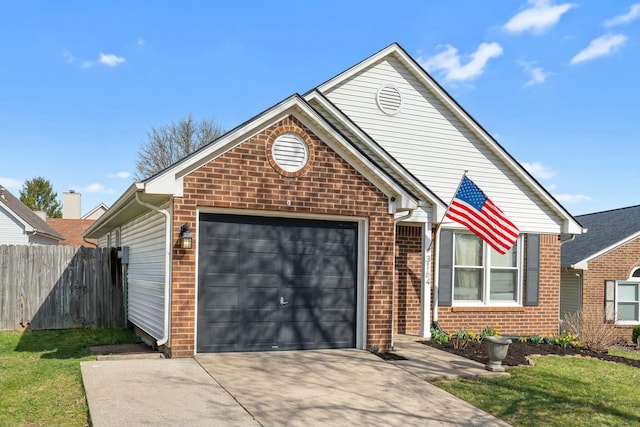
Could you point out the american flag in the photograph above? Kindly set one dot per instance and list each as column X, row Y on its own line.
column 473, row 209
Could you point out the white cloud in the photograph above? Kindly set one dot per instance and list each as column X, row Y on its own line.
column 633, row 14
column 10, row 183
column 93, row 188
column 449, row 61
column 537, row 75
column 541, row 16
column 539, row 170
column 119, row 175
column 68, row 57
column 111, row 60
column 572, row 198
column 140, row 42
column 108, row 60
column 602, row 46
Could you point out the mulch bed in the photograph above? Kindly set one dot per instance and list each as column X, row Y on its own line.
column 520, row 352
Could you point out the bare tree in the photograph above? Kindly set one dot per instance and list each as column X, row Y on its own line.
column 168, row 144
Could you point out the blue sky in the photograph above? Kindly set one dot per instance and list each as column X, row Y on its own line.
column 556, row 83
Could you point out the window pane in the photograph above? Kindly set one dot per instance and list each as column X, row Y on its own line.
column 510, row 259
column 628, row 311
column 503, row 285
column 468, row 284
column 627, row 292
column 636, row 272
column 468, row 250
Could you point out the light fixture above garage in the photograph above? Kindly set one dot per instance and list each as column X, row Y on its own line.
column 186, row 239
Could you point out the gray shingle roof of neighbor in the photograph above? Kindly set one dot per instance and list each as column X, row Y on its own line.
column 27, row 215
column 604, row 230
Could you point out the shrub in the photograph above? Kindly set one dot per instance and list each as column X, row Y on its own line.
column 589, row 328
column 635, row 334
column 440, row 336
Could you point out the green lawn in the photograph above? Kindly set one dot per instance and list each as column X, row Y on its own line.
column 557, row 391
column 40, row 380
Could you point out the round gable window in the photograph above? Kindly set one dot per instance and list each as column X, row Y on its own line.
column 389, row 99
column 290, row 152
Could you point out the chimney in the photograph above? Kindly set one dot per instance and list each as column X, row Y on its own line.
column 71, row 205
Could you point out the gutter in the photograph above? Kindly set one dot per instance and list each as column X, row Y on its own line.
column 167, row 265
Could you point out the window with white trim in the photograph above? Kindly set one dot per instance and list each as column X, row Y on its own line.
column 627, row 299
column 482, row 276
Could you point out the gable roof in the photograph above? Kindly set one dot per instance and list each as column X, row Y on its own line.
column 569, row 223
column 32, row 222
column 607, row 230
column 168, row 183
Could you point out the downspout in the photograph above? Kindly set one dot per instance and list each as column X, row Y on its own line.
column 167, row 265
column 393, row 272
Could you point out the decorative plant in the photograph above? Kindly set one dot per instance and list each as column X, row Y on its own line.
column 489, row 331
column 536, row 339
column 635, row 334
column 440, row 336
column 460, row 339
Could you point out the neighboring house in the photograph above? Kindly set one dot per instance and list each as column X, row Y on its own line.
column 72, row 230
column 96, row 212
column 71, row 225
column 601, row 269
column 313, row 226
column 19, row 225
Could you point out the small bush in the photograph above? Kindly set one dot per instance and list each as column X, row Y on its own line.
column 589, row 328
column 635, row 334
column 440, row 336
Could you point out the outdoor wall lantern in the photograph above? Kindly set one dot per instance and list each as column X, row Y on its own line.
column 186, row 239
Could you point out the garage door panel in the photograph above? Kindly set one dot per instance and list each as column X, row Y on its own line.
column 221, row 297
column 295, row 284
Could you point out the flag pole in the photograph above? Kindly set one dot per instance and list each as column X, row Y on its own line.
column 436, row 237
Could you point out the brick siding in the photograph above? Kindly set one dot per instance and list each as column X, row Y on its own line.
column 247, row 178
column 543, row 318
column 616, row 264
column 408, row 267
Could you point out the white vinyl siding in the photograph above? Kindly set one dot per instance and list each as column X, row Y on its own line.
column 569, row 293
column 434, row 145
column 102, row 241
column 145, row 237
column 41, row 240
column 12, row 232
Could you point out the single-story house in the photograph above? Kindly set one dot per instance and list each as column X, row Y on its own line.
column 19, row 225
column 314, row 225
column 601, row 269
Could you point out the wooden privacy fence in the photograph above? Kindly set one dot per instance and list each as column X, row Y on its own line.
column 60, row 287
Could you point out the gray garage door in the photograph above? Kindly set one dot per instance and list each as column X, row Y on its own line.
column 275, row 284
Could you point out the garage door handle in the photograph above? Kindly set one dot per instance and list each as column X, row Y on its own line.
column 283, row 302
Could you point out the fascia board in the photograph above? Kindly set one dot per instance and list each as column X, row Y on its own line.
column 364, row 166
column 115, row 208
column 390, row 162
column 170, row 181
column 28, row 227
column 570, row 224
column 582, row 264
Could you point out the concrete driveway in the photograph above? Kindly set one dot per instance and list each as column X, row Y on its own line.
column 335, row 387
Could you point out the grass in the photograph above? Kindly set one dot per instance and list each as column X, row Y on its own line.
column 40, row 380
column 557, row 391
column 623, row 353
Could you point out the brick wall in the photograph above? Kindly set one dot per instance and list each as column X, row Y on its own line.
column 543, row 318
column 616, row 264
column 247, row 178
column 408, row 267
